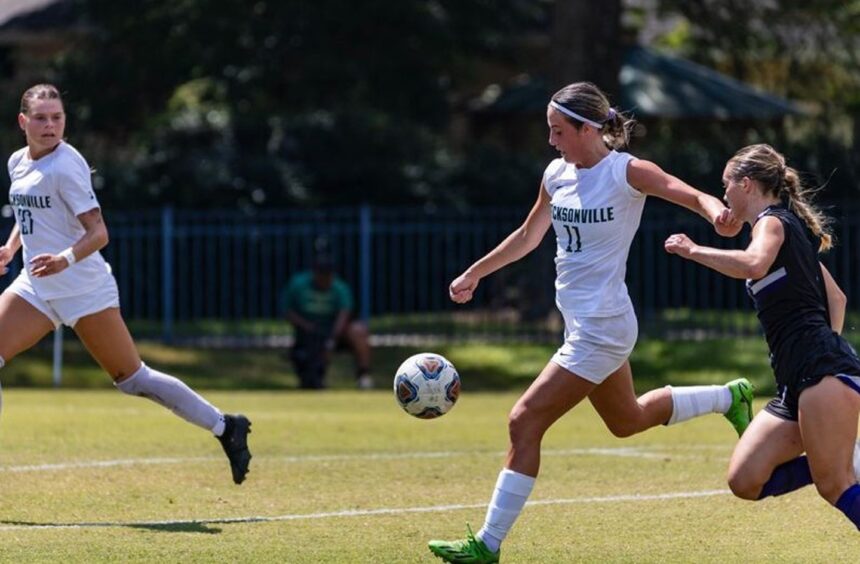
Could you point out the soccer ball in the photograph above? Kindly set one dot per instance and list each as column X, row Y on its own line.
column 426, row 385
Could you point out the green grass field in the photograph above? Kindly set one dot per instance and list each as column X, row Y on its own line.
column 343, row 476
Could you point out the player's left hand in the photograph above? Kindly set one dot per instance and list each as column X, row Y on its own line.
column 726, row 224
column 679, row 244
column 47, row 264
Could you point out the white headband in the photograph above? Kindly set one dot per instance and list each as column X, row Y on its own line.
column 574, row 115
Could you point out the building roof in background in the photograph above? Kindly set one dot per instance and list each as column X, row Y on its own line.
column 11, row 10
column 657, row 86
column 654, row 84
column 23, row 21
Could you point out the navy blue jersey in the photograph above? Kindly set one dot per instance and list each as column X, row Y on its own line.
column 791, row 299
column 791, row 302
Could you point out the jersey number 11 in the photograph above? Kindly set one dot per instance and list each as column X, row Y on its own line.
column 571, row 231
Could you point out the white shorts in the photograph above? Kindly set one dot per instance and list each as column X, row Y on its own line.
column 67, row 311
column 595, row 347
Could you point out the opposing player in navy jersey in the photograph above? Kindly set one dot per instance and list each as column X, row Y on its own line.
column 65, row 280
column 801, row 310
column 593, row 198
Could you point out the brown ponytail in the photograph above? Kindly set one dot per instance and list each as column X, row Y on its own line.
column 616, row 129
column 587, row 100
column 799, row 201
column 766, row 165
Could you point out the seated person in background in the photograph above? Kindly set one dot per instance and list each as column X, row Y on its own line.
column 319, row 304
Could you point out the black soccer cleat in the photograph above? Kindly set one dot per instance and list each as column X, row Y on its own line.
column 235, row 443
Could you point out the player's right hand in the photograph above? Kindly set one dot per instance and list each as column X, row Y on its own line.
column 5, row 258
column 679, row 244
column 462, row 288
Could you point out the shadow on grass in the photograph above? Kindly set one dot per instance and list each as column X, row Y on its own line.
column 178, row 527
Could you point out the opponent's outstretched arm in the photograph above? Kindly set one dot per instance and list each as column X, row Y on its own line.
column 751, row 263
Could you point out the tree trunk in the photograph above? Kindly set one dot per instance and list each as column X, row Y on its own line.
column 586, row 44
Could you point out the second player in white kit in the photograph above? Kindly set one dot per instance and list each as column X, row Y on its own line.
column 65, row 280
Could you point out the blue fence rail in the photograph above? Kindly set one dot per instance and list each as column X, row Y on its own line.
column 188, row 274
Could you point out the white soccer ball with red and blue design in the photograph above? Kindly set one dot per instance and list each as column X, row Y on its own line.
column 426, row 385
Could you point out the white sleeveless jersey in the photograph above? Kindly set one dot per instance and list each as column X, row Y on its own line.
column 47, row 195
column 595, row 214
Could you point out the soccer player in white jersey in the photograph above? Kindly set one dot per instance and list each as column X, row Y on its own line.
column 65, row 280
column 593, row 197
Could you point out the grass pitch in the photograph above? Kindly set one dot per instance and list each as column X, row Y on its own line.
column 343, row 476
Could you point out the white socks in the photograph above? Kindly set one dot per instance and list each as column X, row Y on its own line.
column 512, row 491
column 174, row 395
column 691, row 401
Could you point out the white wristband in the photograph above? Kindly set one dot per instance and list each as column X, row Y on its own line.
column 69, row 255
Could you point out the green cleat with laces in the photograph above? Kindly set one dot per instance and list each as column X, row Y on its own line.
column 740, row 413
column 468, row 551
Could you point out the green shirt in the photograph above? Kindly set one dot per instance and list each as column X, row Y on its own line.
column 318, row 306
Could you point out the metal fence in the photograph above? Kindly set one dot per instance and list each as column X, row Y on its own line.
column 197, row 276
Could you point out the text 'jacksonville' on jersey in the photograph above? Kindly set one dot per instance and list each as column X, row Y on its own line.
column 47, row 195
column 595, row 215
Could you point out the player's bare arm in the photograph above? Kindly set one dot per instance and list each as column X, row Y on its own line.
column 751, row 263
column 13, row 242
column 96, row 236
column 523, row 240
column 94, row 239
column 7, row 251
column 652, row 180
column 836, row 300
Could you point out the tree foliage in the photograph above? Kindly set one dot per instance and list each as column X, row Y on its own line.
column 805, row 50
column 280, row 102
column 214, row 103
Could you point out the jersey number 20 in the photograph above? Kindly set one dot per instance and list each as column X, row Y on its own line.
column 25, row 221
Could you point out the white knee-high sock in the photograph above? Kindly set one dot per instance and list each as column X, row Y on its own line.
column 173, row 394
column 691, row 401
column 509, row 497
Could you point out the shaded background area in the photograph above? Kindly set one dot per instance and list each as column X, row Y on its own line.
column 256, row 105
column 412, row 135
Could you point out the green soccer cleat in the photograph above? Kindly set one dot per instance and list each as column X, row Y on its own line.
column 469, row 551
column 740, row 413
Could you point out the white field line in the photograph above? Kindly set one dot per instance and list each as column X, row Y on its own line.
column 625, row 452
column 359, row 512
column 100, row 464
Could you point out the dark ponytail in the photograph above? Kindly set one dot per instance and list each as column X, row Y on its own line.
column 588, row 101
column 766, row 165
